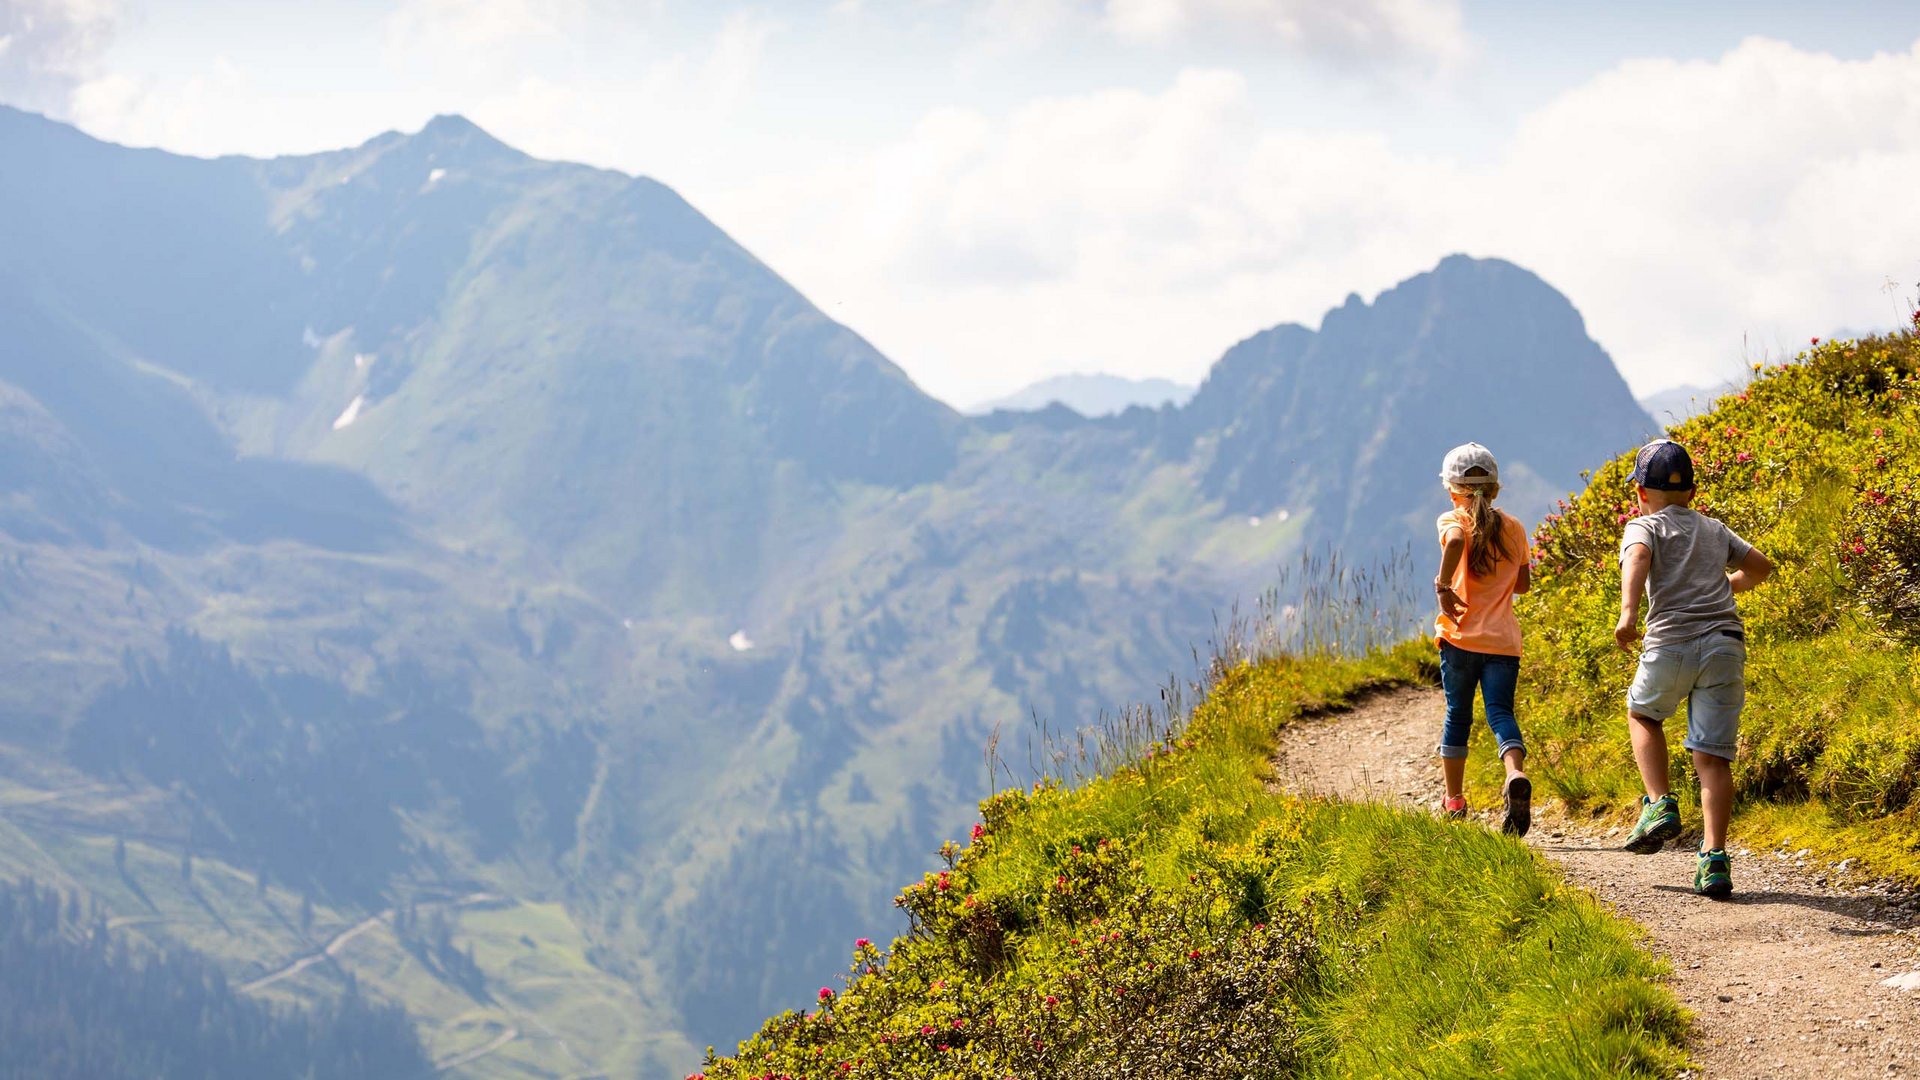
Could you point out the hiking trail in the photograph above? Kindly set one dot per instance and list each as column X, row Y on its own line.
column 1803, row 972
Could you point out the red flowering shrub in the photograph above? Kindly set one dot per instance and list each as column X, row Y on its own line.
column 1880, row 537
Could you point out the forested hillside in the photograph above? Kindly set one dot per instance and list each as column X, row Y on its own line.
column 76, row 1004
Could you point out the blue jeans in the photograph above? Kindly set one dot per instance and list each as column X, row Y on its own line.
column 1495, row 676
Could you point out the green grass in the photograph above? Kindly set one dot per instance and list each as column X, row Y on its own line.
column 1816, row 463
column 1178, row 917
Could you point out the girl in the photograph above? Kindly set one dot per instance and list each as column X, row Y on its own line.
column 1483, row 563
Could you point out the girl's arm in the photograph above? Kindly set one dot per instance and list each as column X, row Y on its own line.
column 1453, row 549
column 1525, row 580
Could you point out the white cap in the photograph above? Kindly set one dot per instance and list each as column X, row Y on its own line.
column 1467, row 456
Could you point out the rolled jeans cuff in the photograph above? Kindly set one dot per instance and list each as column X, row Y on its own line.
column 1446, row 751
column 1512, row 744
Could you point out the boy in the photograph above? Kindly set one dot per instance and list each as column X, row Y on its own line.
column 1695, row 651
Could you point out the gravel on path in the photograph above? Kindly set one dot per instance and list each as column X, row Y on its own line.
column 1803, row 972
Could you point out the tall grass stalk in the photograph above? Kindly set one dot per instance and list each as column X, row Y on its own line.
column 1320, row 607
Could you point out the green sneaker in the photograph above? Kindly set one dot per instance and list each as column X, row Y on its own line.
column 1715, row 874
column 1659, row 823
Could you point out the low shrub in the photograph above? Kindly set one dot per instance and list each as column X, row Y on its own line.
column 1178, row 919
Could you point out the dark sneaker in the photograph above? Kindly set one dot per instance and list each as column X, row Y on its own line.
column 1456, row 807
column 1715, row 874
column 1519, row 817
column 1659, row 823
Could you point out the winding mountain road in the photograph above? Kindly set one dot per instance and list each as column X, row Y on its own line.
column 339, row 941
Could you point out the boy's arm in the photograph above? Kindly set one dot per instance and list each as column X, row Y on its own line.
column 1754, row 568
column 1453, row 549
column 1634, row 564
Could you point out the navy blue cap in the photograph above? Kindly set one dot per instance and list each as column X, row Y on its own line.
column 1663, row 465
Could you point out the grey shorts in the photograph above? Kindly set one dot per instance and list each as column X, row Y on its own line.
column 1709, row 673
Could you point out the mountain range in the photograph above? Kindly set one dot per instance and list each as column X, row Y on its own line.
column 1090, row 394
column 426, row 535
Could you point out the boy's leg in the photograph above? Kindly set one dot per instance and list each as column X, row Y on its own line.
column 1649, row 703
column 1659, row 810
column 1650, row 754
column 1659, row 685
column 1716, row 798
column 1713, row 730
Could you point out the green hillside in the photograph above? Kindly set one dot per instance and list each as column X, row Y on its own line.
column 1815, row 462
column 1178, row 918
column 1175, row 916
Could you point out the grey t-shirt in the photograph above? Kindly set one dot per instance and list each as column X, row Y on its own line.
column 1687, row 590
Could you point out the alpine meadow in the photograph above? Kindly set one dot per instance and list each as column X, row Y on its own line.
column 466, row 614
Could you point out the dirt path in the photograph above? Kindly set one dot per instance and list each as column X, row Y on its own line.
column 340, row 940
column 497, row 1043
column 1797, row 975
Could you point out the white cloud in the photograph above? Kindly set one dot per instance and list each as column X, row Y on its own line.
column 1355, row 31
column 466, row 27
column 1390, row 29
column 186, row 117
column 48, row 47
column 1682, row 206
column 1129, row 232
column 657, row 119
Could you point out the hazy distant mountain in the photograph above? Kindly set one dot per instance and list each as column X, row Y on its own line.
column 1678, row 403
column 1091, row 395
column 487, row 563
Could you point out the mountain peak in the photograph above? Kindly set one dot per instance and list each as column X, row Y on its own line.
column 453, row 135
column 450, row 126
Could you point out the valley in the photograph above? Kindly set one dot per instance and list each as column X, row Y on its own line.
column 666, row 617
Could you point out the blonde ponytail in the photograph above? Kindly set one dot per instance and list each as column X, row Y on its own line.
column 1487, row 544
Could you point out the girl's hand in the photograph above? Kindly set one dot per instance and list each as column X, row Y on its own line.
column 1451, row 605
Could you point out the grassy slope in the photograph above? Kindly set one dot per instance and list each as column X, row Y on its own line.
column 1178, row 916
column 573, row 1018
column 1811, row 460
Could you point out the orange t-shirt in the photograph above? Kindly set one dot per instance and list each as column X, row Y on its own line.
column 1488, row 625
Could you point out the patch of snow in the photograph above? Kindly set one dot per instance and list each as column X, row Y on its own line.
column 352, row 412
column 310, row 339
column 361, row 360
column 434, row 177
column 740, row 641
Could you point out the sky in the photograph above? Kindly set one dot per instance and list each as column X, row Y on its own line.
column 997, row 191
